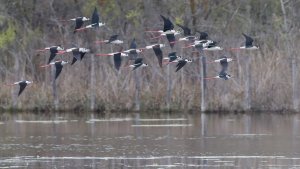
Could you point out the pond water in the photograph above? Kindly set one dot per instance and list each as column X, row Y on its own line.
column 149, row 140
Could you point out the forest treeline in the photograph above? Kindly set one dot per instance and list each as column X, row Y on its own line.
column 266, row 79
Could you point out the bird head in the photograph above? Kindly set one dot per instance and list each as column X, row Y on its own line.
column 145, row 64
column 228, row 76
column 85, row 19
column 60, row 48
column 64, row 62
column 162, row 45
column 124, row 54
column 84, row 50
column 189, row 60
column 29, row 82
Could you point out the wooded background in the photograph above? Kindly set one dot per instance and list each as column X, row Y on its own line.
column 266, row 79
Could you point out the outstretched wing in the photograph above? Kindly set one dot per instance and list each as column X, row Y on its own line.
column 74, row 60
column 22, row 87
column 58, row 67
column 113, row 38
column 95, row 18
column 117, row 60
column 133, row 44
column 138, row 61
column 186, row 30
column 78, row 24
column 249, row 41
column 203, row 35
column 159, row 54
column 180, row 64
column 172, row 56
column 171, row 39
column 168, row 25
column 76, row 54
column 224, row 65
column 52, row 56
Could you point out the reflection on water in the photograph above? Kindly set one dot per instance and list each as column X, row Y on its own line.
column 196, row 140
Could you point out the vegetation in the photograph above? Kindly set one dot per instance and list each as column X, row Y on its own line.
column 28, row 25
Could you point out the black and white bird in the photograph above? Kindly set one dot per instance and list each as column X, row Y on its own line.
column 133, row 51
column 187, row 33
column 112, row 40
column 22, row 85
column 173, row 58
column 117, row 58
column 248, row 44
column 181, row 63
column 79, row 21
column 54, row 50
column 167, row 31
column 138, row 62
column 222, row 58
column 157, row 51
column 78, row 53
column 211, row 46
column 112, row 54
column 95, row 21
column 58, row 66
column 223, row 73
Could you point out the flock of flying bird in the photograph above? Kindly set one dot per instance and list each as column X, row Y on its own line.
column 201, row 43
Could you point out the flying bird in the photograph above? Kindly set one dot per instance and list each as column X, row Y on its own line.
column 173, row 58
column 117, row 58
column 133, row 51
column 112, row 40
column 248, row 44
column 181, row 63
column 79, row 21
column 58, row 66
column 167, row 31
column 78, row 53
column 187, row 34
column 138, row 63
column 22, row 85
column 157, row 51
column 223, row 73
column 222, row 59
column 95, row 22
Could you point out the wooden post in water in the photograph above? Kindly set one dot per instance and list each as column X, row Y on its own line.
column 93, row 79
column 247, row 95
column 136, row 74
column 54, row 88
column 202, row 63
column 168, row 88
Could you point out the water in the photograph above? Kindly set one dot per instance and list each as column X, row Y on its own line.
column 149, row 140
